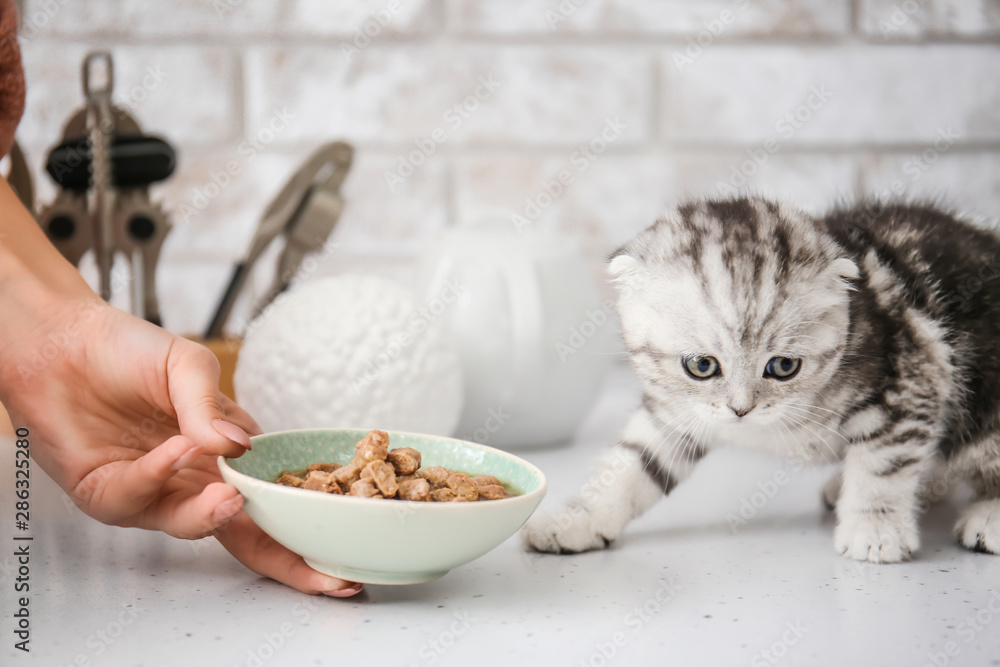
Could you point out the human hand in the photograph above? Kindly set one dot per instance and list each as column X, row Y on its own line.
column 128, row 419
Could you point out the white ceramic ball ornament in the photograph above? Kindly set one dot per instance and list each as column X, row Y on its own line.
column 350, row 351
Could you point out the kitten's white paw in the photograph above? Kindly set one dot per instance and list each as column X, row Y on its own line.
column 573, row 530
column 877, row 538
column 979, row 527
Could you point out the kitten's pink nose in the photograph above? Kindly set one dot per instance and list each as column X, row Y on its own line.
column 740, row 411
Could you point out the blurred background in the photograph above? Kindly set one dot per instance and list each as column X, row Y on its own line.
column 590, row 116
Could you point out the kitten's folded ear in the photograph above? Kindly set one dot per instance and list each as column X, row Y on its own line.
column 625, row 270
column 844, row 270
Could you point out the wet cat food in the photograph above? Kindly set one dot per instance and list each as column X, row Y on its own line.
column 378, row 472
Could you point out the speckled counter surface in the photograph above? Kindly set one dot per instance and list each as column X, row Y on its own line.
column 684, row 587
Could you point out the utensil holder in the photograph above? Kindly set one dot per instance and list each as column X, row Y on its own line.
column 227, row 351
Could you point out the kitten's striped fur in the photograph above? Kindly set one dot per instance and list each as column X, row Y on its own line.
column 894, row 311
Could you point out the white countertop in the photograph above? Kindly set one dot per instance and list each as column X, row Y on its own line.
column 681, row 588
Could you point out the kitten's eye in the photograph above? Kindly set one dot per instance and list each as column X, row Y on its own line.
column 782, row 368
column 701, row 368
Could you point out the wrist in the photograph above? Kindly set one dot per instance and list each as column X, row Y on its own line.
column 42, row 295
column 45, row 305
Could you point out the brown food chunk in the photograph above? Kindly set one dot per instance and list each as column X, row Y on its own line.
column 455, row 478
column 318, row 480
column 414, row 489
column 384, row 477
column 436, row 475
column 492, row 492
column 323, row 467
column 463, row 487
column 485, row 480
column 489, row 487
column 288, row 479
column 346, row 475
column 372, row 447
column 365, row 488
column 405, row 460
column 443, row 495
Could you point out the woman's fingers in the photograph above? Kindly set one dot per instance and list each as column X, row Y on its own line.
column 191, row 516
column 240, row 417
column 259, row 552
column 193, row 379
column 118, row 490
column 161, row 491
column 217, row 509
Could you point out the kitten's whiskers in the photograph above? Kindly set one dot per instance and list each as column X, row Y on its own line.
column 677, row 450
column 785, row 435
column 814, row 407
column 654, row 446
column 800, row 421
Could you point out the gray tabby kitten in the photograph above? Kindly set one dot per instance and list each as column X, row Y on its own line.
column 872, row 336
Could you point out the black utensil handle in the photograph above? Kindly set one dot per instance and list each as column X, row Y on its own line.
column 226, row 305
column 136, row 161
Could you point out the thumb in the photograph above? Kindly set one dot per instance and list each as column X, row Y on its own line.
column 193, row 382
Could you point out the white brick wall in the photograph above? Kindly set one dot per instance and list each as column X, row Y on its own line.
column 892, row 19
column 704, row 94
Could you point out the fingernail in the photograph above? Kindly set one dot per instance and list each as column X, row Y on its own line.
column 227, row 510
column 353, row 589
column 186, row 459
column 232, row 432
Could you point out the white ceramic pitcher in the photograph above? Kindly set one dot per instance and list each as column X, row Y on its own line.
column 533, row 334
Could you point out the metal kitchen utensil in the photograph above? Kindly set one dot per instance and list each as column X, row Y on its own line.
column 103, row 152
column 66, row 222
column 316, row 219
column 101, row 128
column 295, row 213
column 140, row 227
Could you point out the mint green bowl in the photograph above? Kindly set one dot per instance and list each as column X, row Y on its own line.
column 380, row 541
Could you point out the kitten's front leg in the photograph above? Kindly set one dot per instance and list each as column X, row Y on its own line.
column 879, row 500
column 831, row 490
column 629, row 480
